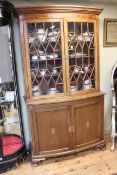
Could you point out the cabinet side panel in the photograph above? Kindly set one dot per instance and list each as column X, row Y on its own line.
column 102, row 117
column 24, row 52
column 34, row 138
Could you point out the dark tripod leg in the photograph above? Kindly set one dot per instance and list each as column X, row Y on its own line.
column 1, row 147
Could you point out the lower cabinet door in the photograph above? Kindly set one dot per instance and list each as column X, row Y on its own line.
column 50, row 130
column 87, row 122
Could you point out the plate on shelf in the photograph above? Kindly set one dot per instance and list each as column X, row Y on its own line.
column 77, row 55
column 54, row 71
column 43, row 72
column 53, row 91
column 81, row 72
column 36, row 93
column 42, row 34
column 87, row 84
column 52, row 56
column 85, row 37
column 86, row 69
column 31, row 39
column 43, row 57
column 35, row 88
column 76, row 69
column 41, row 52
column 54, row 59
column 34, row 57
column 73, row 88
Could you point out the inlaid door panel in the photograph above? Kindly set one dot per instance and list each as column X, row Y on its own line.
column 52, row 129
column 87, row 126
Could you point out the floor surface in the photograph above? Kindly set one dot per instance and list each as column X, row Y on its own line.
column 93, row 162
column 12, row 124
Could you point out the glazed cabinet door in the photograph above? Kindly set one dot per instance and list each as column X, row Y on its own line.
column 81, row 54
column 88, row 123
column 50, row 130
column 43, row 59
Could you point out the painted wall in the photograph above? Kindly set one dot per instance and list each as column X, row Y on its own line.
column 108, row 56
column 25, row 115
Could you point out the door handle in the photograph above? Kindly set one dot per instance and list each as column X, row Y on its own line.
column 71, row 129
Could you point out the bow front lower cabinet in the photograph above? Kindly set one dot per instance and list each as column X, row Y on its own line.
column 61, row 72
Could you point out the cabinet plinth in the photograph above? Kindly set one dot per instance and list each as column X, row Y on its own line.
column 61, row 72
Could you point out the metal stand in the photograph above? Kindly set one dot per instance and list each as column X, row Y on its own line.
column 10, row 156
column 114, row 104
column 113, row 134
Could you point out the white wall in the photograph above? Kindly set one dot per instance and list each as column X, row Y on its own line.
column 108, row 56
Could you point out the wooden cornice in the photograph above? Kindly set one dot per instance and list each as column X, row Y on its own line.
column 58, row 9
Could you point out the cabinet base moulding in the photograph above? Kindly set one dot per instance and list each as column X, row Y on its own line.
column 38, row 158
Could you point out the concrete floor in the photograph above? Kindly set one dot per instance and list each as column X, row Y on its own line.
column 12, row 124
column 93, row 162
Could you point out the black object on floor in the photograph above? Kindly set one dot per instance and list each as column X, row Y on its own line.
column 12, row 151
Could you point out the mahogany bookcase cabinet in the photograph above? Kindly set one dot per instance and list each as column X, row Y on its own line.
column 61, row 71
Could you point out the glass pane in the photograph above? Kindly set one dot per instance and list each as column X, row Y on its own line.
column 9, row 105
column 45, row 58
column 81, row 55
